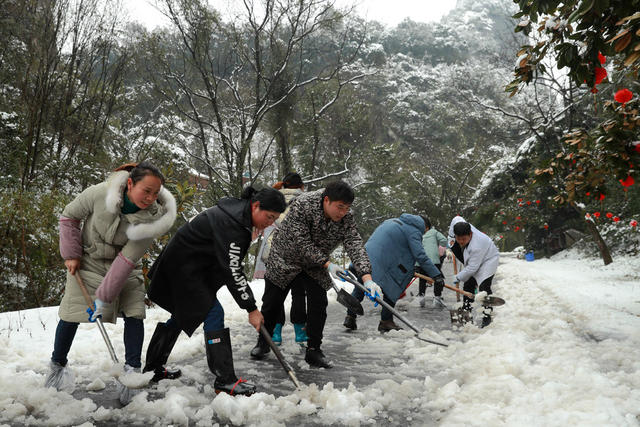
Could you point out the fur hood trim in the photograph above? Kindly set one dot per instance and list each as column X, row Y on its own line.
column 117, row 182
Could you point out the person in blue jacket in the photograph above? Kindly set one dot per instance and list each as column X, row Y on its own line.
column 394, row 248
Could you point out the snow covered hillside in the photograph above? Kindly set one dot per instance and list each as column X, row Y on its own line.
column 564, row 350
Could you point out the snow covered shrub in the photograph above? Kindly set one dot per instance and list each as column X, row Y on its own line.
column 31, row 269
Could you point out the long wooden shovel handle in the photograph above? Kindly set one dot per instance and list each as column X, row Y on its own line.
column 83, row 289
column 430, row 280
column 455, row 272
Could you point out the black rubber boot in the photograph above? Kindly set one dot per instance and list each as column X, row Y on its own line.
column 260, row 350
column 315, row 357
column 486, row 316
column 220, row 361
column 350, row 322
column 160, row 346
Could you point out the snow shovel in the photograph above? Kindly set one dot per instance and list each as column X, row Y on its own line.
column 488, row 301
column 287, row 368
column 348, row 300
column 125, row 394
column 349, row 278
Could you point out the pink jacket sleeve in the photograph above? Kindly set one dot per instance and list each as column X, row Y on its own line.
column 70, row 238
column 115, row 278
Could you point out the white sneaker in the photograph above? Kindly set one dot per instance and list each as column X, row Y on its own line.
column 438, row 302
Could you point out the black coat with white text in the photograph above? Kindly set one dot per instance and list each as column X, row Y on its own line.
column 204, row 255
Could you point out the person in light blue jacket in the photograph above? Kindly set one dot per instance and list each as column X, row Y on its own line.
column 431, row 241
column 393, row 249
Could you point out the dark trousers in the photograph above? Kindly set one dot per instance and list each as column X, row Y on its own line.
column 457, row 252
column 273, row 300
column 133, row 338
column 470, row 286
column 213, row 322
column 298, row 312
column 422, row 284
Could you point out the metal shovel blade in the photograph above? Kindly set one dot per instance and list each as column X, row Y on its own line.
column 491, row 301
column 350, row 302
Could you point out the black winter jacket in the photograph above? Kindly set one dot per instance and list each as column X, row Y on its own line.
column 204, row 255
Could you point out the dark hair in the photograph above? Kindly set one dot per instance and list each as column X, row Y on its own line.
column 292, row 180
column 462, row 229
column 339, row 191
column 270, row 199
column 427, row 223
column 137, row 171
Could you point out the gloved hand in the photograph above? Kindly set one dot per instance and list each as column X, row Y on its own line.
column 98, row 309
column 439, row 282
column 373, row 289
column 334, row 269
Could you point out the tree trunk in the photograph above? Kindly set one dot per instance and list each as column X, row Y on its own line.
column 602, row 245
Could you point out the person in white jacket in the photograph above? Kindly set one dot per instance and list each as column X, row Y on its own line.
column 481, row 262
column 453, row 245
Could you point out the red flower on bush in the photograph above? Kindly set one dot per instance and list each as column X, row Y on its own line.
column 528, row 202
column 537, row 202
column 623, row 96
column 516, row 229
column 636, row 146
column 602, row 58
column 633, row 223
column 519, row 200
column 601, row 74
column 596, row 214
column 628, row 182
column 609, row 214
column 616, row 218
column 601, row 196
column 588, row 193
column 504, row 222
column 546, row 226
column 518, row 217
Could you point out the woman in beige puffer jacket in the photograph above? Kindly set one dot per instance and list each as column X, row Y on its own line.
column 104, row 232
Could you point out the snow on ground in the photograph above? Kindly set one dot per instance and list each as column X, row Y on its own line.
column 564, row 350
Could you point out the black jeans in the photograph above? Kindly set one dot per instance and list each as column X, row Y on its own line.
column 133, row 338
column 422, row 284
column 273, row 300
column 298, row 312
column 470, row 286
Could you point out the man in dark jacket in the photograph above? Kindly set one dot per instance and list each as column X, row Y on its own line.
column 316, row 224
column 394, row 247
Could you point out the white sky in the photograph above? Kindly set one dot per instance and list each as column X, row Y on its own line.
column 390, row 12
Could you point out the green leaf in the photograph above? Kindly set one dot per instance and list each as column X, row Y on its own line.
column 584, row 7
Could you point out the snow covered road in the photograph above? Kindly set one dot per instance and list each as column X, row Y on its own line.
column 564, row 350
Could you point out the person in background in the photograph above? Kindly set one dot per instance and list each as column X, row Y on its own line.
column 482, row 257
column 316, row 224
column 291, row 187
column 432, row 241
column 205, row 254
column 393, row 248
column 104, row 232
